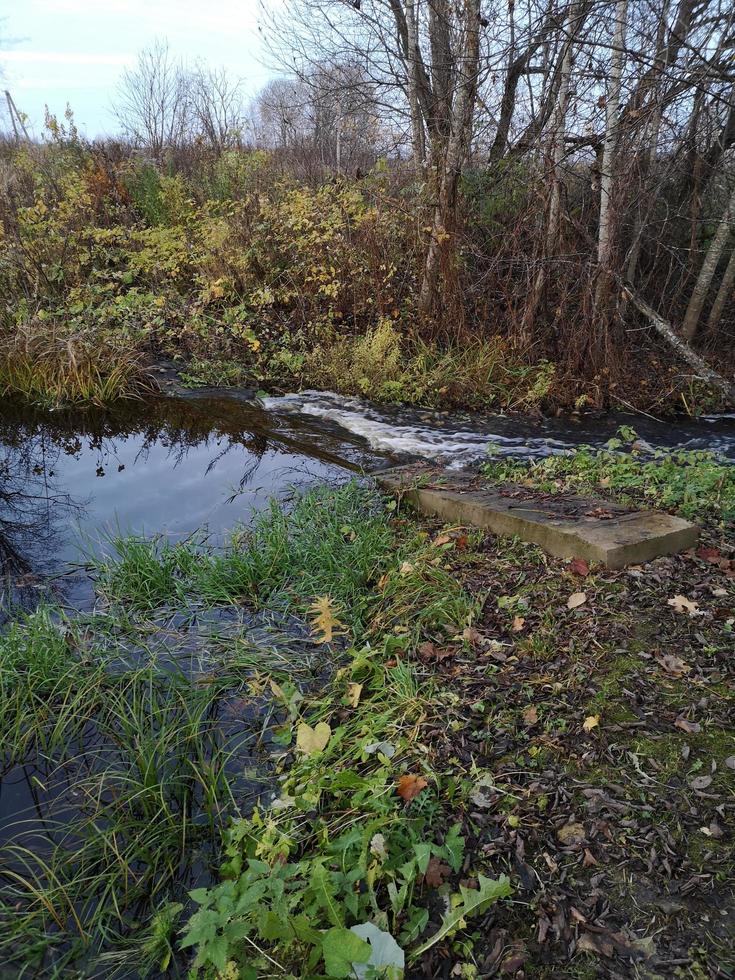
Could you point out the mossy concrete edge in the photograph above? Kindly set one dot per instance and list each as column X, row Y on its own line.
column 615, row 539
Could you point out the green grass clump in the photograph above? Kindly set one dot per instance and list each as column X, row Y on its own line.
column 697, row 484
column 151, row 763
column 331, row 543
column 46, row 367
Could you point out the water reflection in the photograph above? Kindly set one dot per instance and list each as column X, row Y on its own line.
column 163, row 466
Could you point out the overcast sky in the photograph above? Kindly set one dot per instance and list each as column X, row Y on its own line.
column 75, row 50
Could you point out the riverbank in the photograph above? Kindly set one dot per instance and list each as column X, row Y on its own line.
column 421, row 711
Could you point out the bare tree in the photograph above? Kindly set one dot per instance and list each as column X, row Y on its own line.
column 215, row 106
column 153, row 106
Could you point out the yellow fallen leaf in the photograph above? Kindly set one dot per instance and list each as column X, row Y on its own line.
column 590, row 722
column 324, row 623
column 576, row 599
column 353, row 693
column 310, row 740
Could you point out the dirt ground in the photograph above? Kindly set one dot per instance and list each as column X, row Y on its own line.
column 594, row 712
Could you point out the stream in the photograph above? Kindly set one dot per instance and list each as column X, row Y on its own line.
column 71, row 479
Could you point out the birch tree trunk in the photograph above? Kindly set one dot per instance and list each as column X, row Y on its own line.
column 723, row 294
column 609, row 153
column 417, row 122
column 707, row 272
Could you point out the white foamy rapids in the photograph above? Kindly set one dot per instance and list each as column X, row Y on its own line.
column 454, row 446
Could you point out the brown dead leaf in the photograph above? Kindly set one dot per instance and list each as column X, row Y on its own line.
column 530, row 716
column 409, row 786
column 441, row 539
column 690, row 727
column 461, row 543
column 576, row 599
column 673, row 665
column 578, row 566
column 430, row 652
column 708, row 554
column 436, row 872
column 590, row 943
column 518, row 623
column 470, row 635
column 589, row 859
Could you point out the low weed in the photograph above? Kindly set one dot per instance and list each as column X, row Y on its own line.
column 697, row 484
column 327, row 874
column 384, row 366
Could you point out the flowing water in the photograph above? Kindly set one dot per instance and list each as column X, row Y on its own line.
column 69, row 480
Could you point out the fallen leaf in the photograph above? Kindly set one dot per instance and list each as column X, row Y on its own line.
column 310, row 740
column 324, row 623
column 673, row 665
column 429, row 651
column 409, row 786
column 590, row 722
column 730, row 762
column 441, row 539
column 701, row 782
column 518, row 623
column 406, row 568
column 387, row 749
column 571, row 833
column 353, row 694
column 576, row 599
column 683, row 605
column 708, row 554
column 690, row 727
column 589, row 860
column 436, row 872
column 530, row 716
column 461, row 543
column 377, row 846
column 578, row 566
column 589, row 943
column 471, row 635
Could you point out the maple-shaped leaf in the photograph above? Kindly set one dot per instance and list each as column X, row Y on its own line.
column 409, row 786
column 324, row 622
column 683, row 605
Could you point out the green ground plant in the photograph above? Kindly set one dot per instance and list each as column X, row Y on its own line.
column 696, row 483
column 326, row 874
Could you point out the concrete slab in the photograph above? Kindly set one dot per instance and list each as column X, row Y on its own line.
column 565, row 526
